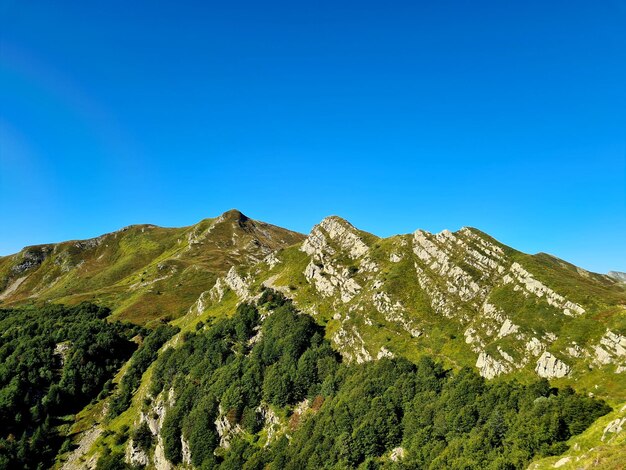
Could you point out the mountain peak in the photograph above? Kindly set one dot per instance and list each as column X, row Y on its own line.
column 334, row 220
column 234, row 215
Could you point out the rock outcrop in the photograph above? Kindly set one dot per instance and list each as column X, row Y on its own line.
column 490, row 367
column 523, row 278
column 617, row 275
column 339, row 232
column 135, row 455
column 225, row 429
column 237, row 283
column 550, row 367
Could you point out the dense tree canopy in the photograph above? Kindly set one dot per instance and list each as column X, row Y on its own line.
column 53, row 361
column 141, row 360
column 241, row 366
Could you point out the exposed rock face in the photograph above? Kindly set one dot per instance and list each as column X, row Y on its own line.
column 610, row 350
column 340, row 232
column 62, row 350
column 458, row 281
column 507, row 328
column 549, row 366
column 217, row 291
column 384, row 352
column 328, row 276
column 75, row 458
column 272, row 424
column 185, row 450
column 32, row 257
column 397, row 454
column 154, row 419
column 329, row 279
column 201, row 304
column 564, row 461
column 534, row 346
column 448, row 283
column 458, row 273
column 225, row 429
column 614, row 428
column 237, row 284
column 518, row 274
column 272, row 260
column 439, row 302
column 394, row 312
column 617, row 275
column 574, row 350
column 160, row 461
column 351, row 343
column 135, row 455
column 490, row 367
column 614, row 343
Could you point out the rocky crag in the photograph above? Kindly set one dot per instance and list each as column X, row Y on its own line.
column 462, row 296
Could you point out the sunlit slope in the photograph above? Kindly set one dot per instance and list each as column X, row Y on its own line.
column 602, row 446
column 143, row 272
column 462, row 297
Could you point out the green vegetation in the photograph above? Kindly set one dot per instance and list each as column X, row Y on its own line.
column 265, row 378
column 53, row 361
column 143, row 272
column 141, row 360
column 240, row 369
column 594, row 448
column 220, row 369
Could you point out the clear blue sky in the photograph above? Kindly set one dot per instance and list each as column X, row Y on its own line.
column 506, row 116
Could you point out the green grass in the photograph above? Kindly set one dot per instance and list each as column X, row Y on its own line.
column 587, row 450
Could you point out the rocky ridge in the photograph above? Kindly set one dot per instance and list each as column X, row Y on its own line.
column 462, row 278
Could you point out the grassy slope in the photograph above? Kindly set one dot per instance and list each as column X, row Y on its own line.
column 144, row 273
column 587, row 450
column 443, row 338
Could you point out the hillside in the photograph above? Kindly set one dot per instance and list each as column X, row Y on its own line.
column 462, row 300
column 462, row 297
column 143, row 272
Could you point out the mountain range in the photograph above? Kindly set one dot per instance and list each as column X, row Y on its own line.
column 461, row 297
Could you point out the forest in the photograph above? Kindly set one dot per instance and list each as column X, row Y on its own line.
column 271, row 360
column 53, row 361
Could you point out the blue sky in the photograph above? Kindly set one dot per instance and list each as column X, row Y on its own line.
column 506, row 116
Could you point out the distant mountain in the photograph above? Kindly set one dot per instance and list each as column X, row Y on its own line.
column 461, row 297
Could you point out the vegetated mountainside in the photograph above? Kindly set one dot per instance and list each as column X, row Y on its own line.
column 462, row 298
column 143, row 272
column 53, row 361
column 264, row 389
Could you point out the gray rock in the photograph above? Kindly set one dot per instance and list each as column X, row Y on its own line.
column 617, row 275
